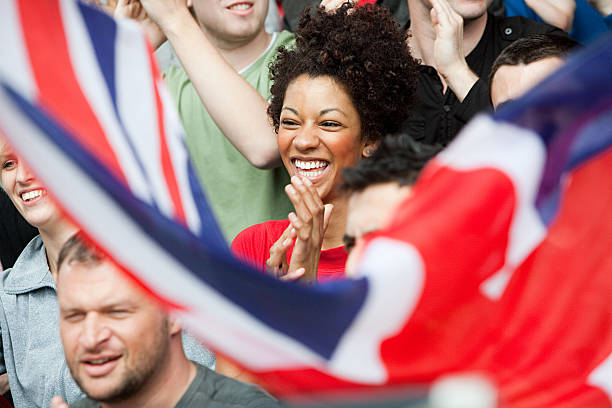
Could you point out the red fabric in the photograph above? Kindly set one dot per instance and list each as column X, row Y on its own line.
column 253, row 245
column 364, row 2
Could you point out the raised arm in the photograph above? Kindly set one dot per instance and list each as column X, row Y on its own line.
column 236, row 107
column 559, row 13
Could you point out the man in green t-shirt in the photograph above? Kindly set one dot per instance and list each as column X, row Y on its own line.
column 221, row 92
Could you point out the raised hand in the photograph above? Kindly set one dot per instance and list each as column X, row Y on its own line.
column 134, row 10
column 448, row 49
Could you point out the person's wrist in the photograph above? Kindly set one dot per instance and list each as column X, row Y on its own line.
column 454, row 70
column 172, row 24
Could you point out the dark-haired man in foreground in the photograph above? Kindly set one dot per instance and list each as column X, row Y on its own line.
column 124, row 351
column 377, row 185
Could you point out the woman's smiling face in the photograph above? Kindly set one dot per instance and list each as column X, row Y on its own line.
column 26, row 193
column 319, row 132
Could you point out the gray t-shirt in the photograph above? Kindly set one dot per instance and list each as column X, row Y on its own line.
column 211, row 390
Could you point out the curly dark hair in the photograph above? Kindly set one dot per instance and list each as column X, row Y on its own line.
column 364, row 50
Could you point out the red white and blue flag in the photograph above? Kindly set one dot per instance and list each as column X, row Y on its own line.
column 499, row 262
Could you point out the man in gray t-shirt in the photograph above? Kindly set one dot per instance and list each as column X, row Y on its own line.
column 122, row 349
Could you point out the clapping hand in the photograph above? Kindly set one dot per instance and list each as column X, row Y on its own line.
column 307, row 226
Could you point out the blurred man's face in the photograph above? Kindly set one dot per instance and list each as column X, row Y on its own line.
column 115, row 339
column 368, row 211
column 231, row 21
column 512, row 81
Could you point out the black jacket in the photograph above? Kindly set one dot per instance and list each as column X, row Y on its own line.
column 439, row 117
column 15, row 232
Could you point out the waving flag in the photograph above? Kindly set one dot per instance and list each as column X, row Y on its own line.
column 466, row 258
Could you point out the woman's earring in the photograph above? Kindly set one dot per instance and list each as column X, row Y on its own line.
column 368, row 152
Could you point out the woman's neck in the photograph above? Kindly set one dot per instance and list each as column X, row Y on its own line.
column 337, row 223
column 54, row 238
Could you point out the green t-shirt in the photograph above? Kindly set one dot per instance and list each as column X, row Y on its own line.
column 240, row 195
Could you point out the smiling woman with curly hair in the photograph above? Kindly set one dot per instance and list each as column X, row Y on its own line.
column 349, row 81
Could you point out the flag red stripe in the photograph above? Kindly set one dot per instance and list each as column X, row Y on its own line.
column 58, row 88
column 166, row 161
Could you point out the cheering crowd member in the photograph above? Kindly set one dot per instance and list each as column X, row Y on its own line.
column 349, row 81
column 457, row 42
column 220, row 91
column 124, row 351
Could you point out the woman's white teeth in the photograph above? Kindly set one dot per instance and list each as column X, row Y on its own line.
column 30, row 195
column 307, row 165
column 311, row 174
column 240, row 6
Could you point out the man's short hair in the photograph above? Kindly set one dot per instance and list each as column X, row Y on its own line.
column 398, row 158
column 534, row 48
column 76, row 249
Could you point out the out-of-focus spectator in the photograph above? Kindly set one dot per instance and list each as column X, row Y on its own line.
column 221, row 89
column 526, row 63
column 457, row 41
column 123, row 350
column 31, row 352
column 376, row 187
column 349, row 81
column 577, row 17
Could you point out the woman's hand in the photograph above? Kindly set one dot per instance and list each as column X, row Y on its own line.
column 277, row 265
column 134, row 10
column 307, row 227
column 309, row 221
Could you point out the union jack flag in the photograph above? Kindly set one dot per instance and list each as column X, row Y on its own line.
column 499, row 262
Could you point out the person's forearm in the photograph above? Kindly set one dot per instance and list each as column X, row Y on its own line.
column 235, row 106
column 460, row 80
column 559, row 14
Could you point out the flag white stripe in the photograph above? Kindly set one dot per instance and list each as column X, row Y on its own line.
column 93, row 85
column 136, row 105
column 396, row 277
column 521, row 155
column 178, row 154
column 15, row 66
